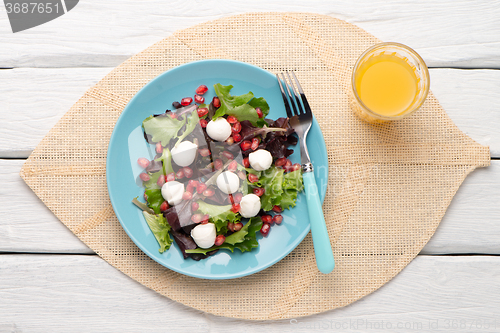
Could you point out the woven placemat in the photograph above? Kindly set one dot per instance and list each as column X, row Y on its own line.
column 389, row 184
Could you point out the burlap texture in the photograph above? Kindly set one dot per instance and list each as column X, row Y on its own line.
column 389, row 184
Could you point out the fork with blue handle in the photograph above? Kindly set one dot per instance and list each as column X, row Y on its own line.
column 300, row 115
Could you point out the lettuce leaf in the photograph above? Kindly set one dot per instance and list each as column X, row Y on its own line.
column 244, row 239
column 155, row 199
column 272, row 182
column 160, row 229
column 191, row 123
column 219, row 215
column 293, row 181
column 242, row 107
column 162, row 128
column 153, row 181
column 166, row 160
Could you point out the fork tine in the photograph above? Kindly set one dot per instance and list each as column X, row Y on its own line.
column 297, row 99
column 290, row 96
column 302, row 94
column 285, row 99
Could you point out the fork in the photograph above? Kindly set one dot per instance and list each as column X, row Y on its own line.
column 301, row 119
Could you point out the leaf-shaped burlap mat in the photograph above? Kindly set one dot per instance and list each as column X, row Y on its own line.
column 389, row 184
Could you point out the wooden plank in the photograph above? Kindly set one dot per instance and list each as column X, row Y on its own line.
column 35, row 99
column 27, row 225
column 469, row 226
column 83, row 293
column 104, row 34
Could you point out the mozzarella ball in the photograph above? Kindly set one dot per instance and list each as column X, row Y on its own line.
column 204, row 235
column 172, row 192
column 219, row 129
column 228, row 182
column 260, row 160
column 184, row 153
column 250, row 205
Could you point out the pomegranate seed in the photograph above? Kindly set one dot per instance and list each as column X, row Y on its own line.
column 173, row 116
column 195, row 206
column 193, row 183
column 230, row 226
column 288, row 163
column 255, row 143
column 267, row 218
column 264, row 230
column 143, row 162
column 218, row 164
column 238, row 226
column 232, row 120
column 235, row 208
column 208, row 192
column 201, row 89
column 159, row 148
column 296, row 167
column 188, row 172
column 204, row 152
column 201, row 188
column 242, row 175
column 277, row 219
column 230, row 140
column 277, row 209
column 280, row 162
column 259, row 112
column 197, row 218
column 199, row 99
column 203, row 123
column 202, row 112
column 237, row 137
column 145, row 196
column 246, row 162
column 190, row 188
column 231, row 200
column 161, row 180
column 219, row 240
column 186, row 101
column 233, row 165
column 187, row 196
column 227, row 155
column 216, row 102
column 144, row 177
column 164, row 206
column 252, row 178
column 237, row 197
column 170, row 177
column 179, row 174
column 236, row 127
column 245, row 145
column 259, row 191
column 176, row 105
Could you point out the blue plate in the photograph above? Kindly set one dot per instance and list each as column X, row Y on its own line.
column 127, row 144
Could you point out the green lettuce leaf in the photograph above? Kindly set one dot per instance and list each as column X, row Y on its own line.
column 293, row 181
column 153, row 181
column 192, row 121
column 155, row 199
column 162, row 129
column 219, row 215
column 245, row 239
column 160, row 229
column 242, row 107
column 272, row 181
column 166, row 160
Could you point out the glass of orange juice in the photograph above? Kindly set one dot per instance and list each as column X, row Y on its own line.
column 390, row 81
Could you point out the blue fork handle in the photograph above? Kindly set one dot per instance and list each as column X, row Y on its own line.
column 321, row 240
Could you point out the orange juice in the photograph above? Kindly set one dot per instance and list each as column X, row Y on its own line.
column 390, row 81
column 386, row 84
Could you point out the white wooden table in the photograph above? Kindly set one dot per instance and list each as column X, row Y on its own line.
column 51, row 282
